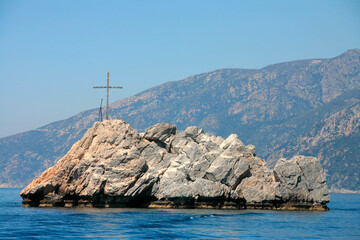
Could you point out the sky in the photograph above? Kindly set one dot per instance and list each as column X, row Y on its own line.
column 53, row 52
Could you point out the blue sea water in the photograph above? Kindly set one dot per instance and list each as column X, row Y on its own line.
column 16, row 222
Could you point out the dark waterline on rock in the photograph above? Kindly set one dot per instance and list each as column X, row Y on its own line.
column 16, row 222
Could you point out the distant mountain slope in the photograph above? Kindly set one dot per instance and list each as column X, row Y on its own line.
column 273, row 93
column 26, row 155
column 278, row 108
column 334, row 137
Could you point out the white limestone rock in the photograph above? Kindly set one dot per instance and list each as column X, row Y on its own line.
column 113, row 165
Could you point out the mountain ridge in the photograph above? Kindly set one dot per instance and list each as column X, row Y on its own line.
column 256, row 104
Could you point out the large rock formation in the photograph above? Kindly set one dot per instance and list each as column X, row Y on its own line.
column 113, row 165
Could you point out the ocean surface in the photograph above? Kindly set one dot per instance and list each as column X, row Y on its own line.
column 16, row 222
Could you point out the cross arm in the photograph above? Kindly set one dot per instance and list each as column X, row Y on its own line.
column 106, row 87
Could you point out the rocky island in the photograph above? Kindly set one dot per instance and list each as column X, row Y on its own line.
column 114, row 166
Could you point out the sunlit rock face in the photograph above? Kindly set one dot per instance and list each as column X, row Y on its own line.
column 114, row 166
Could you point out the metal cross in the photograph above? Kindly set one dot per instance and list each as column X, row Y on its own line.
column 107, row 99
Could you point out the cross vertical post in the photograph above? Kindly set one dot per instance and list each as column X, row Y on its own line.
column 107, row 97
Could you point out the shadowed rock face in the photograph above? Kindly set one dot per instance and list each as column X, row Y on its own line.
column 113, row 165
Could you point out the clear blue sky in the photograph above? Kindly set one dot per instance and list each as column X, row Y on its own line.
column 52, row 52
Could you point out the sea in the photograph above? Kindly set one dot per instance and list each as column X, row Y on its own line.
column 17, row 222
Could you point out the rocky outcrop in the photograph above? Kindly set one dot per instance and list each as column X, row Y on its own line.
column 113, row 165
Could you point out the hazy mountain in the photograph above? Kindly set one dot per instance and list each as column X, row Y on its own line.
column 306, row 107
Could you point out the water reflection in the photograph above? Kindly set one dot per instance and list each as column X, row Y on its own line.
column 342, row 221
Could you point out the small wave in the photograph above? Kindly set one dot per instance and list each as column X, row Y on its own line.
column 345, row 209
